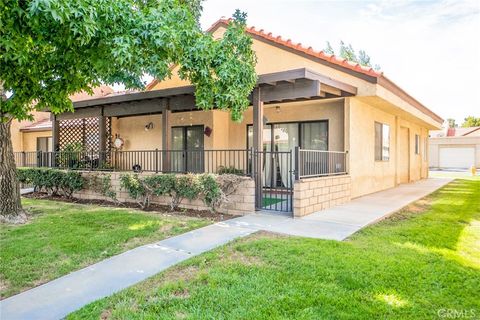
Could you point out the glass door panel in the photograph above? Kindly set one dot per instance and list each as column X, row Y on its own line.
column 314, row 135
column 177, row 154
column 194, row 147
column 285, row 137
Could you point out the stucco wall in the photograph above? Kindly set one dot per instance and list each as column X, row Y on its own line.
column 30, row 139
column 241, row 202
column 315, row 194
column 17, row 135
column 368, row 175
column 436, row 143
column 296, row 112
column 227, row 134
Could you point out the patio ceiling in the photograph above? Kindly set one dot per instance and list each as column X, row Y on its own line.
column 285, row 86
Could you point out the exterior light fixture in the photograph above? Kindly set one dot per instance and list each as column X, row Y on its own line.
column 149, row 126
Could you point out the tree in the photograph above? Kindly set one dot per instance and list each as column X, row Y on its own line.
column 329, row 49
column 451, row 123
column 471, row 121
column 52, row 49
column 347, row 52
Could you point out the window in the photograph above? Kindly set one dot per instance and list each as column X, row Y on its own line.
column 417, row 144
column 44, row 144
column 382, row 142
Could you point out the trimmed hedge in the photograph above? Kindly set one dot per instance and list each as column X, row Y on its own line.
column 53, row 181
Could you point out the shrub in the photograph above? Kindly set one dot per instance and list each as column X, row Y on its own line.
column 52, row 181
column 229, row 170
column 177, row 187
column 212, row 193
column 136, row 189
column 102, row 183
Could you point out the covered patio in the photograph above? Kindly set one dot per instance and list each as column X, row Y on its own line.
column 193, row 141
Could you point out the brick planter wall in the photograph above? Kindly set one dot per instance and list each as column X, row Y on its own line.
column 240, row 203
column 315, row 194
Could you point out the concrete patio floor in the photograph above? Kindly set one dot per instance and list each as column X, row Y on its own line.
column 56, row 299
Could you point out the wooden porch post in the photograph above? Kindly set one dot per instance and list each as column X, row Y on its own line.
column 166, row 135
column 346, row 133
column 55, row 132
column 258, row 144
column 102, row 141
column 55, row 138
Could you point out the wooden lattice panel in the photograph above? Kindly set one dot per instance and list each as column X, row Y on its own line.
column 84, row 132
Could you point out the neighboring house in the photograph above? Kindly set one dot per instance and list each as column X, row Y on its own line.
column 320, row 131
column 455, row 148
column 36, row 135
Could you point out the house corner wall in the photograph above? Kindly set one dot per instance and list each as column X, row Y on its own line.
column 368, row 175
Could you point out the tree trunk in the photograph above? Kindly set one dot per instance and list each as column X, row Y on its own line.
column 10, row 204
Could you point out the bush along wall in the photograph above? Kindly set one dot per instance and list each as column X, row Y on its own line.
column 203, row 187
column 52, row 181
column 225, row 193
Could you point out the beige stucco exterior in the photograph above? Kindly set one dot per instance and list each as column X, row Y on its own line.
column 369, row 175
column 23, row 141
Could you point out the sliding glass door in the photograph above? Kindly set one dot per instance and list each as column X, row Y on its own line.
column 284, row 137
column 188, row 149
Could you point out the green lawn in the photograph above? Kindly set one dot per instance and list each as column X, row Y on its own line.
column 417, row 264
column 270, row 201
column 62, row 237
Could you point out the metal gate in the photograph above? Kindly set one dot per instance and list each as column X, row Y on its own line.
column 274, row 177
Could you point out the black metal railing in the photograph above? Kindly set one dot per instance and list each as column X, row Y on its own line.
column 305, row 163
column 318, row 163
column 236, row 161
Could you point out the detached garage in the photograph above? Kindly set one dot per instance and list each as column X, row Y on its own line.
column 454, row 152
column 456, row 157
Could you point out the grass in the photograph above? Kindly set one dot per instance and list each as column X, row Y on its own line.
column 269, row 201
column 420, row 262
column 63, row 237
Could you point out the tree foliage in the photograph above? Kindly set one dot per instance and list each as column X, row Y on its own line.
column 451, row 123
column 471, row 121
column 346, row 51
column 50, row 49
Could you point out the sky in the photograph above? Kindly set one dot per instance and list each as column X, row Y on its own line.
column 431, row 49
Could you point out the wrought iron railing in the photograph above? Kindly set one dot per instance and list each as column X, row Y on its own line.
column 237, row 161
column 318, row 163
column 306, row 163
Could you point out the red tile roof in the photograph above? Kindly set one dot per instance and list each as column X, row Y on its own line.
column 309, row 51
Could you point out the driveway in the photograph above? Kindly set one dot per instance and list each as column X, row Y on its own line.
column 56, row 299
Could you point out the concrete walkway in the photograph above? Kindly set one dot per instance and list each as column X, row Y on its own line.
column 56, row 299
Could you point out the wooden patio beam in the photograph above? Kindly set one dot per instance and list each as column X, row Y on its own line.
column 166, row 134
column 290, row 91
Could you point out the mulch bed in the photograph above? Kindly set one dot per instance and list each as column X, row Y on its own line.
column 206, row 214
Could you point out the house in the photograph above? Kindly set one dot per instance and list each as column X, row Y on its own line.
column 320, row 131
column 455, row 148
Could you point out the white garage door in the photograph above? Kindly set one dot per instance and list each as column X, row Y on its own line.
column 457, row 157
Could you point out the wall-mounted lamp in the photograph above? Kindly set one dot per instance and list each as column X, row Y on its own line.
column 149, row 126
column 208, row 131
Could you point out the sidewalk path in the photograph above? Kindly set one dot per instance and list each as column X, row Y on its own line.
column 56, row 299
